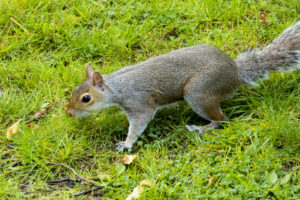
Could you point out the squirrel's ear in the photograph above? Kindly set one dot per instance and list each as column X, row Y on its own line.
column 97, row 79
column 89, row 72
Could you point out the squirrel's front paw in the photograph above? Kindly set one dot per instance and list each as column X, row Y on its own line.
column 122, row 145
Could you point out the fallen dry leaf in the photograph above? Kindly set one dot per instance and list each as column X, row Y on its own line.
column 13, row 129
column 31, row 125
column 158, row 176
column 264, row 18
column 147, row 183
column 118, row 159
column 67, row 104
column 128, row 159
column 40, row 114
column 136, row 193
column 211, row 180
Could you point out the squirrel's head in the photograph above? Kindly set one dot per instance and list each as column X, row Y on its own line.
column 90, row 96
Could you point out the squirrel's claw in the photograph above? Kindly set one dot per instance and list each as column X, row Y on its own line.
column 195, row 128
column 202, row 129
column 121, row 146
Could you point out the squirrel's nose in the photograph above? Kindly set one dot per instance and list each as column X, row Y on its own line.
column 70, row 112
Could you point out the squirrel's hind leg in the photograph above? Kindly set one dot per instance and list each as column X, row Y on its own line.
column 208, row 108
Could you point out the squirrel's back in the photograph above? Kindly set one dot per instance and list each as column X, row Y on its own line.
column 164, row 77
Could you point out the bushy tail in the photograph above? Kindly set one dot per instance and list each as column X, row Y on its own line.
column 283, row 54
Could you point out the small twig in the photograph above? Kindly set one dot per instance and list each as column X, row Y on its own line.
column 40, row 191
column 54, row 188
column 87, row 191
column 73, row 170
column 45, row 191
column 74, row 180
column 63, row 180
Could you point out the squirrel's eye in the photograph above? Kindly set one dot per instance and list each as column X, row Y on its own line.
column 86, row 98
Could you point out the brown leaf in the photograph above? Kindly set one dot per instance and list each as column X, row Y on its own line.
column 31, row 125
column 13, row 129
column 211, row 180
column 136, row 193
column 158, row 176
column 128, row 159
column 118, row 159
column 49, row 107
column 67, row 104
column 264, row 18
column 40, row 114
column 147, row 183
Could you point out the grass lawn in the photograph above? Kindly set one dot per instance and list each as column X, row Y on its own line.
column 44, row 47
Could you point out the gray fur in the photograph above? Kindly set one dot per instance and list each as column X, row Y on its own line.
column 163, row 79
column 283, row 54
column 202, row 74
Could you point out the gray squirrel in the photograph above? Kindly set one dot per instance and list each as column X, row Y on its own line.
column 202, row 75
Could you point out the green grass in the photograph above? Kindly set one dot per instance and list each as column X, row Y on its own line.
column 44, row 46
